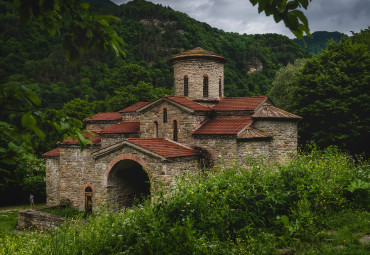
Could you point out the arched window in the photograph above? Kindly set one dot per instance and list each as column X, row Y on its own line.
column 165, row 115
column 186, row 86
column 88, row 199
column 205, row 86
column 155, row 129
column 220, row 87
column 175, row 131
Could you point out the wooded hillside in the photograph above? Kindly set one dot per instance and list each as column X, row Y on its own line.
column 153, row 34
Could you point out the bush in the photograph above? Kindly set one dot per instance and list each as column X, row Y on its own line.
column 228, row 211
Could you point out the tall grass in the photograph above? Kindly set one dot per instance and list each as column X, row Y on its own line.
column 257, row 210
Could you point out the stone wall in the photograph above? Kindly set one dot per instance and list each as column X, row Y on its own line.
column 254, row 149
column 222, row 147
column 186, row 123
column 79, row 170
column 110, row 139
column 130, row 115
column 195, row 69
column 100, row 124
column 284, row 140
column 52, row 181
column 38, row 219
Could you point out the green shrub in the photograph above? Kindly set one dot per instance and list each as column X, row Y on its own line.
column 224, row 211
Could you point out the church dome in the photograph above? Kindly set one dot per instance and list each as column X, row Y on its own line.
column 198, row 53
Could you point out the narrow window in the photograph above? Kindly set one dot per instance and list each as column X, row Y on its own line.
column 88, row 199
column 155, row 129
column 205, row 86
column 186, row 86
column 165, row 115
column 175, row 131
column 219, row 88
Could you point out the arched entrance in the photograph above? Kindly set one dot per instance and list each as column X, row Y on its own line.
column 127, row 183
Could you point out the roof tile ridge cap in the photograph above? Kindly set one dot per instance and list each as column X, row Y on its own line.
column 260, row 106
column 201, row 124
column 244, row 128
column 180, row 144
column 131, row 120
column 209, row 107
column 253, row 128
column 93, row 130
column 284, row 112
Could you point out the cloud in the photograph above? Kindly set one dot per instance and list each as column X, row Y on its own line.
column 240, row 16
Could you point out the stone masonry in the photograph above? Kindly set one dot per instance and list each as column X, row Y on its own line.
column 144, row 146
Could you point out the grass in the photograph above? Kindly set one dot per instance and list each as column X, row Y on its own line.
column 316, row 204
column 68, row 212
column 9, row 217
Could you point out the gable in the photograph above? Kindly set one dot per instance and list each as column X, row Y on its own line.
column 182, row 103
column 157, row 147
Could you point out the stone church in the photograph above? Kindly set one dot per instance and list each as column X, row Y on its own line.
column 149, row 143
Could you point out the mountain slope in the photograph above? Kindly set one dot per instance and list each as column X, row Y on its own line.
column 153, row 33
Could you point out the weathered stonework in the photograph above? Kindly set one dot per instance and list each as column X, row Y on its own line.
column 110, row 139
column 222, row 147
column 140, row 152
column 195, row 70
column 186, row 122
column 38, row 219
column 284, row 137
column 52, row 181
column 98, row 125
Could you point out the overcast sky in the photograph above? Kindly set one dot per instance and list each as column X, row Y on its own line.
column 241, row 17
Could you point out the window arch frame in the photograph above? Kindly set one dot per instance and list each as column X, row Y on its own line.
column 175, row 131
column 220, row 86
column 186, row 86
column 165, row 115
column 156, row 129
column 205, row 86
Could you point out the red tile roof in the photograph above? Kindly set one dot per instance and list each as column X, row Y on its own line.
column 164, row 147
column 104, row 116
column 134, row 107
column 95, row 140
column 239, row 103
column 52, row 153
column 223, row 126
column 188, row 103
column 270, row 111
column 124, row 127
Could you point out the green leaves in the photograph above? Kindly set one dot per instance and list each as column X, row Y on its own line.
column 83, row 31
column 287, row 11
column 331, row 98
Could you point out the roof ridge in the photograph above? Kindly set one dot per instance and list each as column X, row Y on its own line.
column 166, row 139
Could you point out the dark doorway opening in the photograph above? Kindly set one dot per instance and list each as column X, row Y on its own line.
column 88, row 199
column 128, row 183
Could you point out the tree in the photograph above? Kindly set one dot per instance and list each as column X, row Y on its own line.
column 79, row 109
column 131, row 94
column 284, row 83
column 333, row 96
column 82, row 31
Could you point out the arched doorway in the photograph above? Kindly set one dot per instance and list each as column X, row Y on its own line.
column 127, row 183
